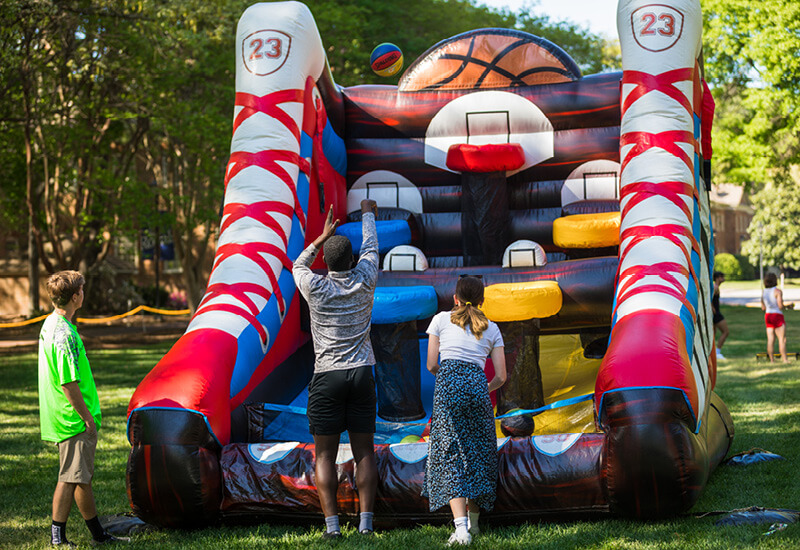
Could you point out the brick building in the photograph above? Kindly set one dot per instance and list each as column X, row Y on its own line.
column 731, row 213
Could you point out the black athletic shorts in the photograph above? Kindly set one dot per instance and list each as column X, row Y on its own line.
column 340, row 400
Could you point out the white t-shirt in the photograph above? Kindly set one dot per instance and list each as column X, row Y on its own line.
column 771, row 300
column 457, row 343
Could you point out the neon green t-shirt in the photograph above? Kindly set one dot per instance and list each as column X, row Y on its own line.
column 62, row 359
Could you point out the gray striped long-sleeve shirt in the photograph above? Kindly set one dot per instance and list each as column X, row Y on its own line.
column 341, row 304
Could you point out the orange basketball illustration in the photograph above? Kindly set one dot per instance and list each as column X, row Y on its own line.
column 489, row 58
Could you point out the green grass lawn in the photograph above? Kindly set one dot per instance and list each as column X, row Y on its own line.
column 764, row 400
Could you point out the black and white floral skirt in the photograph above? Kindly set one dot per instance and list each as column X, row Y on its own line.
column 462, row 448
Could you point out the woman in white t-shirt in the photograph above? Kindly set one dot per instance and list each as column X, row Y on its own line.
column 462, row 455
column 772, row 304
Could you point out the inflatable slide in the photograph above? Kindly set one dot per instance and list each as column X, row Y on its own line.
column 582, row 203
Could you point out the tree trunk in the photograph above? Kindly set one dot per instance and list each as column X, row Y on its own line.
column 33, row 273
column 191, row 263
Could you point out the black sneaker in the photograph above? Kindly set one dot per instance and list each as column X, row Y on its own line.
column 111, row 539
column 332, row 535
column 367, row 532
column 63, row 544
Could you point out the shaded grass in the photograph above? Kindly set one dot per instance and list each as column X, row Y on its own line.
column 764, row 400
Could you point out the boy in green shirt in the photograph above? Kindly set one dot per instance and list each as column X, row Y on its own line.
column 69, row 409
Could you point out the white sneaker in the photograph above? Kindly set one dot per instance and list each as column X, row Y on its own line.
column 720, row 356
column 459, row 539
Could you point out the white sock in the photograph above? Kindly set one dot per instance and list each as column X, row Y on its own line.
column 473, row 523
column 365, row 521
column 461, row 525
column 332, row 524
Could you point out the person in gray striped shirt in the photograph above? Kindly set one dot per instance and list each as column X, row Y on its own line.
column 341, row 395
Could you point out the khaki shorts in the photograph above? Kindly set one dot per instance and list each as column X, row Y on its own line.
column 76, row 458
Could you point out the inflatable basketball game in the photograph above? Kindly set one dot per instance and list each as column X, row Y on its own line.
column 581, row 201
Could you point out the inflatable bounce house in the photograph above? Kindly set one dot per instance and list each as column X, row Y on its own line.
column 581, row 201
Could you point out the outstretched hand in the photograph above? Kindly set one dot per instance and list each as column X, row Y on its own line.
column 369, row 205
column 328, row 230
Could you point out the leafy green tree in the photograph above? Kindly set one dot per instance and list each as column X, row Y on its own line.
column 774, row 228
column 68, row 70
column 188, row 102
column 748, row 269
column 115, row 96
column 591, row 52
column 13, row 212
column 729, row 265
column 351, row 29
column 116, row 111
column 752, row 64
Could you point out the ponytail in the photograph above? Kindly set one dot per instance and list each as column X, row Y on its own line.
column 468, row 315
column 469, row 291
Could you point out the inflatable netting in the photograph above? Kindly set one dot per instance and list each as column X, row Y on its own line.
column 581, row 201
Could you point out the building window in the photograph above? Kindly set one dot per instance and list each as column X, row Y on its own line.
column 742, row 221
column 718, row 219
column 126, row 250
column 172, row 266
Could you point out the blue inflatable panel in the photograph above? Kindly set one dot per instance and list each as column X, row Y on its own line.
column 391, row 233
column 398, row 304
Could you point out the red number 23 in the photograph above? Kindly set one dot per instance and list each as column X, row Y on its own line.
column 667, row 29
column 273, row 50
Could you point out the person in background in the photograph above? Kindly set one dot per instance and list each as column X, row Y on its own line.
column 69, row 409
column 341, row 395
column 462, row 458
column 720, row 324
column 772, row 305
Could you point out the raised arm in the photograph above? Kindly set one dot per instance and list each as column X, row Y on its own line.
column 368, row 259
column 328, row 231
column 301, row 269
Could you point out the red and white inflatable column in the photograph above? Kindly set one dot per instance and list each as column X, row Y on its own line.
column 653, row 385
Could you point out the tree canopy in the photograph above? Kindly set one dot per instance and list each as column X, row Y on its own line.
column 752, row 64
column 774, row 228
column 351, row 29
column 116, row 115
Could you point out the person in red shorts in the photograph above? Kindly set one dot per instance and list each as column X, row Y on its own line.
column 772, row 304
